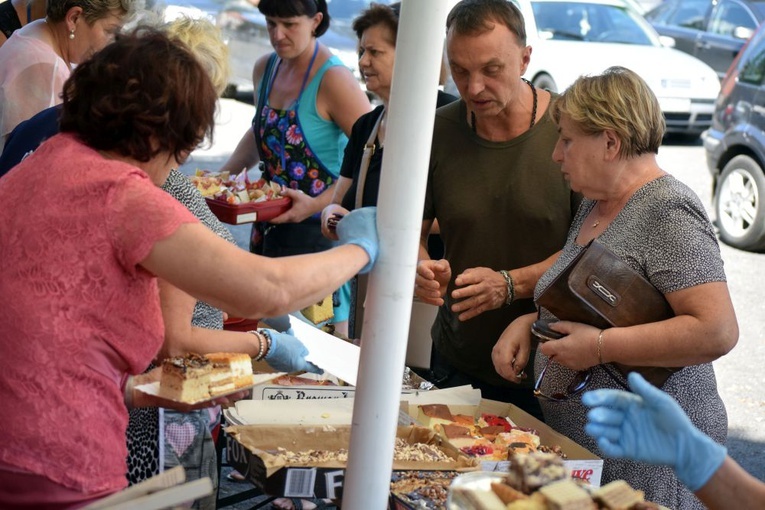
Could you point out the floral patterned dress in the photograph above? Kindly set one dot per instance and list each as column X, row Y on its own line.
column 289, row 158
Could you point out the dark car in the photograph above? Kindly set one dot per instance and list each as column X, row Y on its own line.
column 735, row 149
column 244, row 29
column 711, row 30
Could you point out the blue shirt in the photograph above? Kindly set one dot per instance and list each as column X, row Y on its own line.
column 27, row 136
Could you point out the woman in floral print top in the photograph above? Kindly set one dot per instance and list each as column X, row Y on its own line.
column 309, row 104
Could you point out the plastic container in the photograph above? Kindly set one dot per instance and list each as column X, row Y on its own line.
column 240, row 324
column 237, row 214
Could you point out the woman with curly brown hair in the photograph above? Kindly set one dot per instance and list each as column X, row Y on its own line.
column 81, row 311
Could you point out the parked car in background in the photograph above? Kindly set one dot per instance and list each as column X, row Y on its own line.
column 711, row 30
column 575, row 37
column 735, row 149
column 244, row 29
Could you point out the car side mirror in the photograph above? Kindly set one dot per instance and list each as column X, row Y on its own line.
column 742, row 33
column 667, row 41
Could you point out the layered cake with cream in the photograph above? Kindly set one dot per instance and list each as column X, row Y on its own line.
column 194, row 377
column 230, row 371
column 186, row 378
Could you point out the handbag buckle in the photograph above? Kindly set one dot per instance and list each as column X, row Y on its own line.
column 602, row 291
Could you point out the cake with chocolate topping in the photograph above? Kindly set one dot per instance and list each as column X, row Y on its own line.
column 186, row 378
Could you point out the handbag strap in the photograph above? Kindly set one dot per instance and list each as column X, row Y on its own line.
column 369, row 150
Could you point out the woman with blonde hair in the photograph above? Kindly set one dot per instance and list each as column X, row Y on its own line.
column 610, row 129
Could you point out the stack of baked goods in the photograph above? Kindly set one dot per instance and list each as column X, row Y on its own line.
column 539, row 481
column 488, row 437
column 194, row 377
column 320, row 312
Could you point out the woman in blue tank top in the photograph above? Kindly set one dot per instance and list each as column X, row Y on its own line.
column 307, row 104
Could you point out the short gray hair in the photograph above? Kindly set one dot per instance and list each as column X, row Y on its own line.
column 92, row 10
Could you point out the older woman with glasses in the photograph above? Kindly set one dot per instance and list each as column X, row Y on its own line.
column 610, row 129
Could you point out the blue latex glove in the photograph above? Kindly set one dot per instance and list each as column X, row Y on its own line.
column 359, row 227
column 650, row 426
column 287, row 353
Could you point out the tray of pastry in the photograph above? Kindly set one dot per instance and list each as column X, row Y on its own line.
column 236, row 199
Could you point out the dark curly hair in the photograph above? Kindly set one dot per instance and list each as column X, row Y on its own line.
column 142, row 95
column 377, row 14
column 292, row 8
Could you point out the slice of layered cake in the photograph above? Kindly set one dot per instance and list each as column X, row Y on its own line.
column 230, row 371
column 186, row 378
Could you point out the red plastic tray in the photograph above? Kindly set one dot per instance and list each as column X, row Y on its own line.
column 239, row 324
column 236, row 214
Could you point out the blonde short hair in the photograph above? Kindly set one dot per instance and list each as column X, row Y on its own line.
column 204, row 41
column 619, row 100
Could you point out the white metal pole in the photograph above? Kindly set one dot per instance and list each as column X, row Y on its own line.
column 419, row 48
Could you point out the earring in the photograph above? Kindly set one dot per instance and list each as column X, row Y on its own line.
column 71, row 34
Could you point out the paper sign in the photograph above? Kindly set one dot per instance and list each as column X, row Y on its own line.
column 336, row 356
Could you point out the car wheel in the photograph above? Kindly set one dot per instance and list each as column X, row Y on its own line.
column 545, row 81
column 740, row 204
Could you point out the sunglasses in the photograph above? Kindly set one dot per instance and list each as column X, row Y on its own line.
column 542, row 331
column 576, row 386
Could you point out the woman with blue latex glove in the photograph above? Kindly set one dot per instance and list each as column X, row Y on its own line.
column 649, row 426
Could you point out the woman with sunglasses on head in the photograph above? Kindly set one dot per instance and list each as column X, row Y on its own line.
column 310, row 101
column 610, row 129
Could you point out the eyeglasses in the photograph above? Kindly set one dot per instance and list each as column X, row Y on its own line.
column 576, row 386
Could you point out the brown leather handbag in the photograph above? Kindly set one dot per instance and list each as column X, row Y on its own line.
column 599, row 289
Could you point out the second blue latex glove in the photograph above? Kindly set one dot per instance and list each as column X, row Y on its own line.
column 359, row 227
column 650, row 426
column 287, row 354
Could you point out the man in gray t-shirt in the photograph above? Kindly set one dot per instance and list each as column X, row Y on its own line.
column 502, row 205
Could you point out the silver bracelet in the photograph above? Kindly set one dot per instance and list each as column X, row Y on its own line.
column 267, row 335
column 510, row 286
column 260, row 344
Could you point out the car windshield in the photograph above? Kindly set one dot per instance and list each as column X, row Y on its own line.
column 591, row 22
